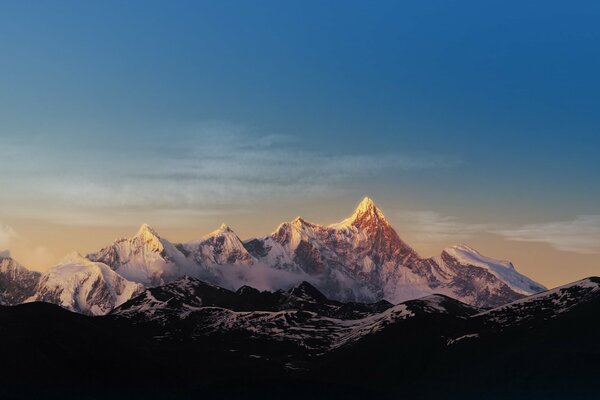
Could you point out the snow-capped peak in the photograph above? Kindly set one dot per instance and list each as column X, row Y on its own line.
column 145, row 258
column 149, row 238
column 222, row 230
column 224, row 227
column 300, row 222
column 365, row 205
column 366, row 213
column 81, row 285
column 147, row 232
column 219, row 247
column 4, row 254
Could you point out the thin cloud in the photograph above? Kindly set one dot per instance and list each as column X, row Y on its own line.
column 581, row 235
column 32, row 256
column 7, row 235
column 212, row 167
column 432, row 228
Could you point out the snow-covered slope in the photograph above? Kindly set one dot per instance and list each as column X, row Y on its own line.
column 187, row 294
column 502, row 269
column 220, row 247
column 145, row 258
column 17, row 283
column 301, row 315
column 546, row 305
column 83, row 286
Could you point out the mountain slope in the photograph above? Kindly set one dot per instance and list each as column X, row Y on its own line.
column 546, row 305
column 301, row 317
column 17, row 283
column 243, row 343
column 145, row 258
column 83, row 286
column 220, row 247
column 179, row 298
column 501, row 269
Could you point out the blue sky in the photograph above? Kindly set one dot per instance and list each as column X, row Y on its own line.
column 482, row 113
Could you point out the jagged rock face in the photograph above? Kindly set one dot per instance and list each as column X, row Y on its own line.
column 83, row 286
column 17, row 283
column 383, row 243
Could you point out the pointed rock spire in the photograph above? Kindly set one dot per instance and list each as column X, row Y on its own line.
column 366, row 205
column 306, row 291
column 222, row 231
column 223, row 228
column 147, row 231
column 298, row 221
column 366, row 213
column 150, row 239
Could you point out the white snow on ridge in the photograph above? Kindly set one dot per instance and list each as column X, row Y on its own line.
column 546, row 305
column 81, row 285
column 145, row 258
column 558, row 294
column 366, row 206
column 450, row 342
column 501, row 269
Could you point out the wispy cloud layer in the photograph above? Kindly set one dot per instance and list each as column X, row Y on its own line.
column 432, row 228
column 31, row 256
column 210, row 168
column 7, row 235
column 581, row 235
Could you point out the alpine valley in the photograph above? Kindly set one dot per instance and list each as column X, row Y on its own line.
column 310, row 311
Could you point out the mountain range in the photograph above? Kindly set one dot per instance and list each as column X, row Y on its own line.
column 360, row 259
column 346, row 311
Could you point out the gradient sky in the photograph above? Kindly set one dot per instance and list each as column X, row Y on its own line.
column 467, row 121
